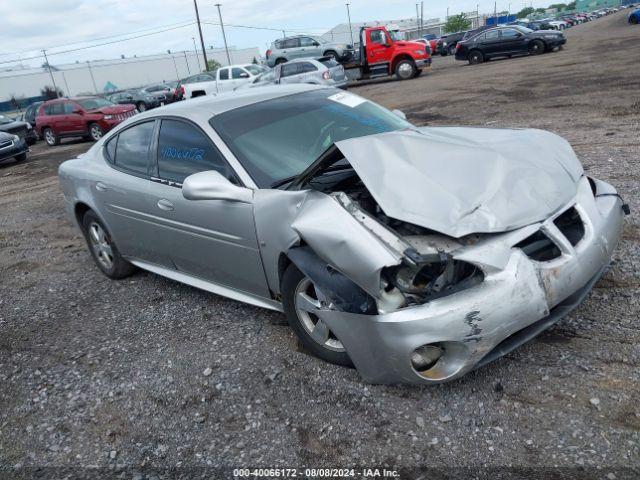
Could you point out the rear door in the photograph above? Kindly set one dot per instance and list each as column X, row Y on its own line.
column 123, row 194
column 211, row 239
column 291, row 48
column 289, row 72
column 490, row 42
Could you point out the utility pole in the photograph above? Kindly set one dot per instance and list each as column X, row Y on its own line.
column 175, row 65
column 495, row 14
column 95, row 88
column 350, row 29
column 186, row 60
column 224, row 37
column 196, row 49
column 65, row 83
column 422, row 17
column 204, row 52
column 55, row 88
column 477, row 15
column 418, row 21
column 284, row 34
column 447, row 14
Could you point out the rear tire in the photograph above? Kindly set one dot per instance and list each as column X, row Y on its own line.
column 50, row 137
column 326, row 347
column 537, row 47
column 103, row 249
column 475, row 57
column 405, row 69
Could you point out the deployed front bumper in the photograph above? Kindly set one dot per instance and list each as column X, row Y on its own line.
column 518, row 299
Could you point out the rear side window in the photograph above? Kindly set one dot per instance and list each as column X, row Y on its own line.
column 291, row 43
column 224, row 74
column 278, row 44
column 289, row 69
column 132, row 148
column 329, row 62
column 184, row 150
column 54, row 109
column 492, row 35
column 306, row 67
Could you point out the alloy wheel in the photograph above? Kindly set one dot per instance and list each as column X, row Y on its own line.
column 96, row 132
column 101, row 245
column 307, row 301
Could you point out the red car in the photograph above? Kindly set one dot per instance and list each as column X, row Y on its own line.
column 89, row 117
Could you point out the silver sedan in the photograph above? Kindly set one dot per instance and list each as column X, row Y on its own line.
column 322, row 71
column 413, row 254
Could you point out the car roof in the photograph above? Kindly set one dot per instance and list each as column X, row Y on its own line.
column 204, row 107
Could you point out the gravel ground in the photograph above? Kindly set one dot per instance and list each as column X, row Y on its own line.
column 143, row 375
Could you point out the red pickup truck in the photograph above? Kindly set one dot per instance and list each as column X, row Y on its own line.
column 382, row 53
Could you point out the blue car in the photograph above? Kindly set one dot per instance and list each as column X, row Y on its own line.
column 634, row 17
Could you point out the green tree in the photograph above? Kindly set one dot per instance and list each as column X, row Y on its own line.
column 213, row 65
column 254, row 61
column 525, row 12
column 560, row 6
column 457, row 23
column 540, row 10
column 49, row 93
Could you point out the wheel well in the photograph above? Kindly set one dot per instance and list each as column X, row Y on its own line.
column 80, row 210
column 283, row 264
column 330, row 51
column 399, row 58
column 43, row 128
column 475, row 50
column 280, row 60
column 544, row 44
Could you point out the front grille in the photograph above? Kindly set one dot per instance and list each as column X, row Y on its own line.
column 6, row 143
column 571, row 225
column 539, row 247
column 125, row 115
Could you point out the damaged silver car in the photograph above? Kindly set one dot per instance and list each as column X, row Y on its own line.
column 414, row 254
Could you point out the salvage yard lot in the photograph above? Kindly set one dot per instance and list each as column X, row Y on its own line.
column 109, row 374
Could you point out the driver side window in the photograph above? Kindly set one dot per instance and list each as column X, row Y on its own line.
column 378, row 36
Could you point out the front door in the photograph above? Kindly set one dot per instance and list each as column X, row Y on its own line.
column 377, row 47
column 211, row 239
column 513, row 41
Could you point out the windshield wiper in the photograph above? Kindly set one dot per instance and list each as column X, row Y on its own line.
column 284, row 181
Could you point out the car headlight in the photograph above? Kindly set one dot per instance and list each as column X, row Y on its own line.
column 432, row 276
column 444, row 44
column 15, row 138
column 29, row 127
column 420, row 52
column 108, row 117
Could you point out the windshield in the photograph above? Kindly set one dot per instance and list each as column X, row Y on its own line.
column 396, row 36
column 280, row 138
column 523, row 29
column 4, row 120
column 255, row 69
column 93, row 103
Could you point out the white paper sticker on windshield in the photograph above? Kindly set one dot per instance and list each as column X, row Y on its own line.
column 347, row 99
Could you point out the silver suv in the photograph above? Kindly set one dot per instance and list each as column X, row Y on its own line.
column 302, row 46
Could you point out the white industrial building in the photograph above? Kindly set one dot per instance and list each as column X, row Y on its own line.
column 100, row 76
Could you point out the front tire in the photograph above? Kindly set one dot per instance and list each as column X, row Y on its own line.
column 103, row 249
column 476, row 57
column 331, row 54
column 142, row 107
column 50, row 137
column 537, row 47
column 405, row 69
column 299, row 299
column 95, row 132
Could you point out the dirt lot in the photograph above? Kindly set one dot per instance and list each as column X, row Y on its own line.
column 109, row 375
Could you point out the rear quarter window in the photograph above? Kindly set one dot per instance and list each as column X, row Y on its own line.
column 132, row 148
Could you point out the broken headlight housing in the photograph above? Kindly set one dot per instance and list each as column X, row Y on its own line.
column 427, row 277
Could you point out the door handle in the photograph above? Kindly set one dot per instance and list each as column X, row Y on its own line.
column 164, row 204
column 101, row 187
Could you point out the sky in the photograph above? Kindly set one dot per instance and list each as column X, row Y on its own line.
column 62, row 25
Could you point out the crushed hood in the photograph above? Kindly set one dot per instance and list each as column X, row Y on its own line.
column 460, row 180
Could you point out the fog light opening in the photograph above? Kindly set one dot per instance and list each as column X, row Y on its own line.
column 425, row 357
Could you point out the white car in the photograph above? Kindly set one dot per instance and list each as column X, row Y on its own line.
column 559, row 24
column 225, row 79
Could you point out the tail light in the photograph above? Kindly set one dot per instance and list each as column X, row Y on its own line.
column 326, row 75
column 268, row 53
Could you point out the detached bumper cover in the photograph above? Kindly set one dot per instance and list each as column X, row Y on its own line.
column 518, row 299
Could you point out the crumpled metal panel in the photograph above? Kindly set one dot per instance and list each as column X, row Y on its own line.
column 458, row 180
column 284, row 219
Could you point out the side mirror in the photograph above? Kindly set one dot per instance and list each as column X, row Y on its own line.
column 316, row 44
column 211, row 185
column 244, row 75
column 399, row 113
column 78, row 110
